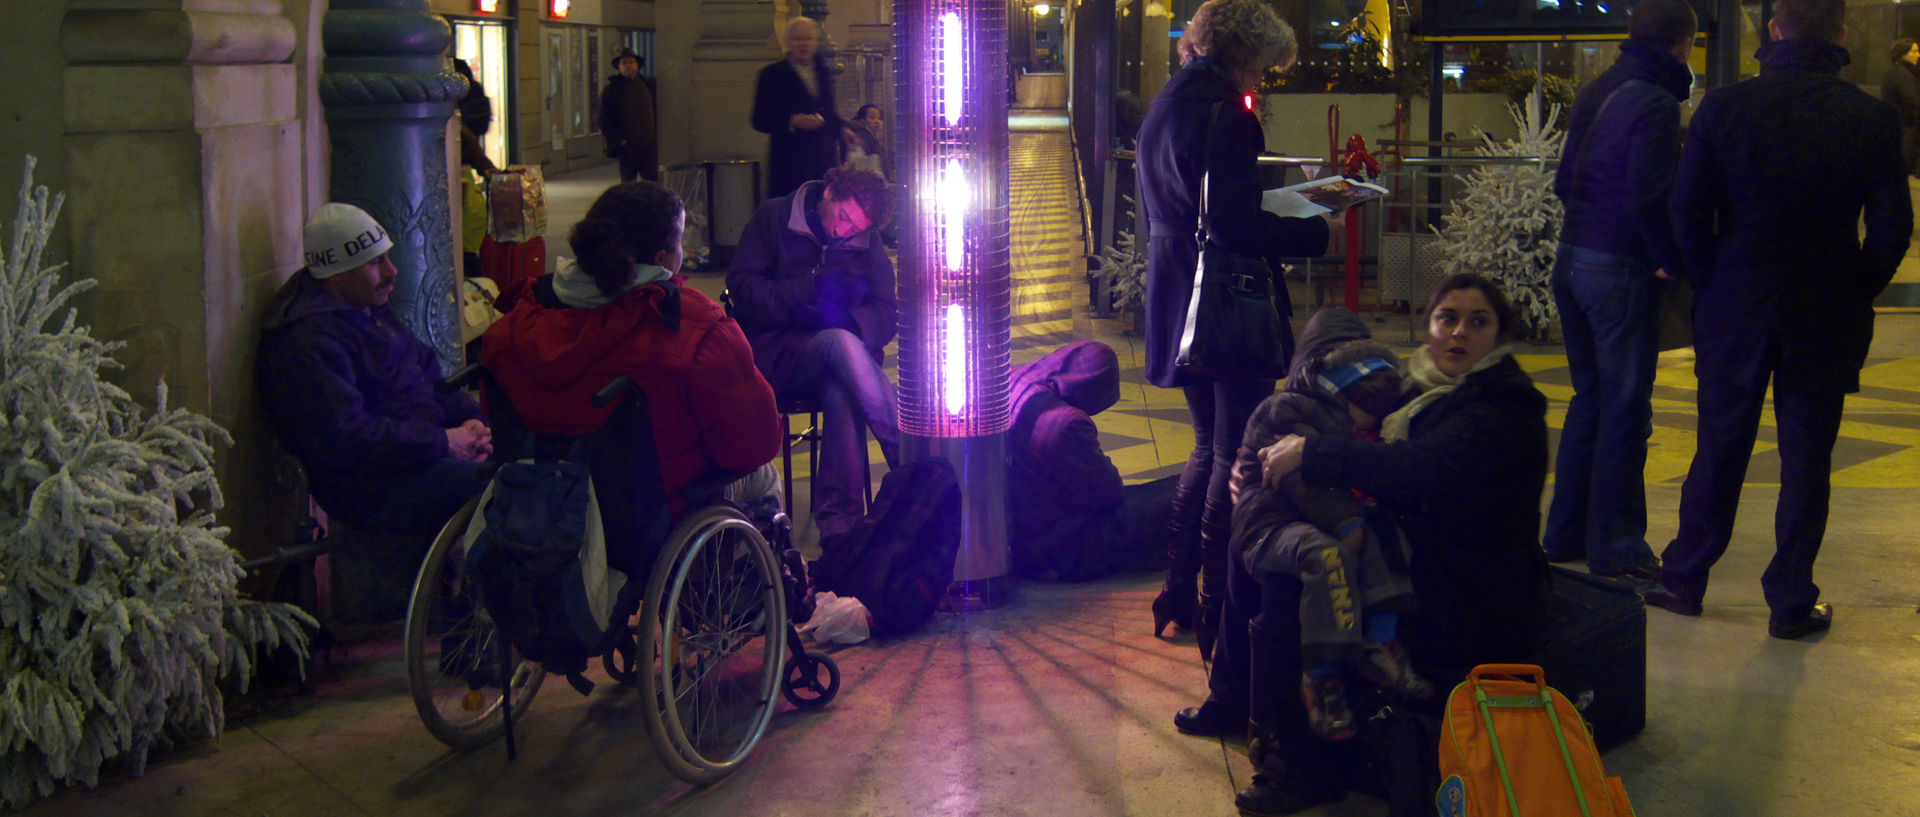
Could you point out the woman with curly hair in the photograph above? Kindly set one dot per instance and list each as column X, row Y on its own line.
column 1203, row 124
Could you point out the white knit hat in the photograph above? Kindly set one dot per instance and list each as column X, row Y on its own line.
column 341, row 237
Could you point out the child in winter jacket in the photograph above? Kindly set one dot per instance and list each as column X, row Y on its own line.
column 1352, row 572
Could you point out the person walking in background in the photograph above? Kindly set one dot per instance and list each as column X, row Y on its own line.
column 1901, row 89
column 793, row 106
column 1615, row 178
column 627, row 120
column 476, row 109
column 1197, row 127
column 1777, row 174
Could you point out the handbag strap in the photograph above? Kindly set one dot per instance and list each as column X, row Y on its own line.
column 1206, row 158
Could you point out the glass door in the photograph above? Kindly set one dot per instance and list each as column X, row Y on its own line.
column 483, row 44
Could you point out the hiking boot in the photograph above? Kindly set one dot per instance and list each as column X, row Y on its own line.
column 1327, row 710
column 1270, row 796
column 1386, row 664
column 1210, row 720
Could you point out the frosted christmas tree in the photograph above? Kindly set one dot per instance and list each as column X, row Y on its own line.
column 118, row 610
column 1507, row 226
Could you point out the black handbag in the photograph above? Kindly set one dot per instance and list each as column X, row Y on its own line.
column 1234, row 330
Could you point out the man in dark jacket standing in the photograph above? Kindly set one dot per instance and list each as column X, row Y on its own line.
column 812, row 288
column 1777, row 173
column 627, row 120
column 793, row 106
column 1617, row 245
column 356, row 397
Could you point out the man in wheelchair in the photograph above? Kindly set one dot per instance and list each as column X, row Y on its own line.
column 355, row 396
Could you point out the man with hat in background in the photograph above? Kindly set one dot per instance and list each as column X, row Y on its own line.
column 355, row 396
column 627, row 119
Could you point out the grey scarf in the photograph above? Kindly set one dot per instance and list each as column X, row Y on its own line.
column 1433, row 385
column 575, row 288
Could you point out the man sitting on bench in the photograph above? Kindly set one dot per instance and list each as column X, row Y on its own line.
column 354, row 394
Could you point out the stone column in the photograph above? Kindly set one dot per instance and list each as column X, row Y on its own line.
column 709, row 86
column 184, row 202
column 816, row 10
column 389, row 90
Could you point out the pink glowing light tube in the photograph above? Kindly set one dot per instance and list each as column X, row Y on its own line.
column 950, row 135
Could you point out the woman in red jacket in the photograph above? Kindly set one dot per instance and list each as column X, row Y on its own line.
column 621, row 309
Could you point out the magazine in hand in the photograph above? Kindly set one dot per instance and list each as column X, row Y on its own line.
column 1313, row 198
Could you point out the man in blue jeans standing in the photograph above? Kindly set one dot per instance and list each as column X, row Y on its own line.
column 1617, row 251
column 812, row 287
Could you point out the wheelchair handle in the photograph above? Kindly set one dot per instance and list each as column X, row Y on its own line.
column 612, row 391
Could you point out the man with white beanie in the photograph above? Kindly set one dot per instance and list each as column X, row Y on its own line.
column 355, row 396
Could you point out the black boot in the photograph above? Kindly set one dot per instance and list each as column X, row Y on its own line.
column 1216, row 527
column 1178, row 596
column 1277, row 788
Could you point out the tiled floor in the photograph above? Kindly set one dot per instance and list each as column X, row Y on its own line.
column 1059, row 703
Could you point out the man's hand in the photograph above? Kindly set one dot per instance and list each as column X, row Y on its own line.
column 471, row 441
column 1281, row 458
column 806, row 121
column 1664, row 275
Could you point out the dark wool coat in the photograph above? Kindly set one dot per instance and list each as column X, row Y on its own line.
column 353, row 395
column 1465, row 488
column 1173, row 155
column 775, row 287
column 627, row 115
column 1776, row 175
column 795, row 156
column 1901, row 89
column 710, row 409
column 1062, row 487
column 1616, row 173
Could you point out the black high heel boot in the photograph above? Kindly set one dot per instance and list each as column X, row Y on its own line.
column 1178, row 596
column 1216, row 524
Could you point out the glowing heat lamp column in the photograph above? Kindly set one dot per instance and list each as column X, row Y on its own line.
column 950, row 134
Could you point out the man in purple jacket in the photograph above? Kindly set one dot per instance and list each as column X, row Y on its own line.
column 812, row 287
column 355, row 396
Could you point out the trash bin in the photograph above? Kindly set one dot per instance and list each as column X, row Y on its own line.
column 733, row 188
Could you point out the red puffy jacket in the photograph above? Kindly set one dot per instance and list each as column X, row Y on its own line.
column 710, row 407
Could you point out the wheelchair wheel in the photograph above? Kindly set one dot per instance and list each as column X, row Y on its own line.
column 712, row 644
column 811, row 681
column 453, row 649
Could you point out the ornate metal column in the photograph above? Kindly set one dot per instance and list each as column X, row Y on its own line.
column 389, row 91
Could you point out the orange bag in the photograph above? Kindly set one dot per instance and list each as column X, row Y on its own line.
column 1512, row 747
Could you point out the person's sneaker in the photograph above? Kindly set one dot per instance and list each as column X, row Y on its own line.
column 1817, row 620
column 1644, row 573
column 1327, row 710
column 1657, row 595
column 1269, row 796
column 1387, row 665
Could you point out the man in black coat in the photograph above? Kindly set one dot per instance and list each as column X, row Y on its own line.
column 793, row 106
column 1776, row 175
column 627, row 120
column 1615, row 176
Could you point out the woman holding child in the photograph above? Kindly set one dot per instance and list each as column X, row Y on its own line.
column 1458, row 470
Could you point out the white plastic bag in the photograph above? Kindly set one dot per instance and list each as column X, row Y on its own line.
column 837, row 620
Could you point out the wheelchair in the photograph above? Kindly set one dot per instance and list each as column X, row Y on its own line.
column 711, row 644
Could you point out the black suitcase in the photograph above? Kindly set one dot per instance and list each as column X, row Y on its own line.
column 1596, row 653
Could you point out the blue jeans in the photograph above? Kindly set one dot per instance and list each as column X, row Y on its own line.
column 834, row 370
column 1610, row 313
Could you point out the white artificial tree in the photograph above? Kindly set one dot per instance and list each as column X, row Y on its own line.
column 119, row 616
column 1507, row 226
